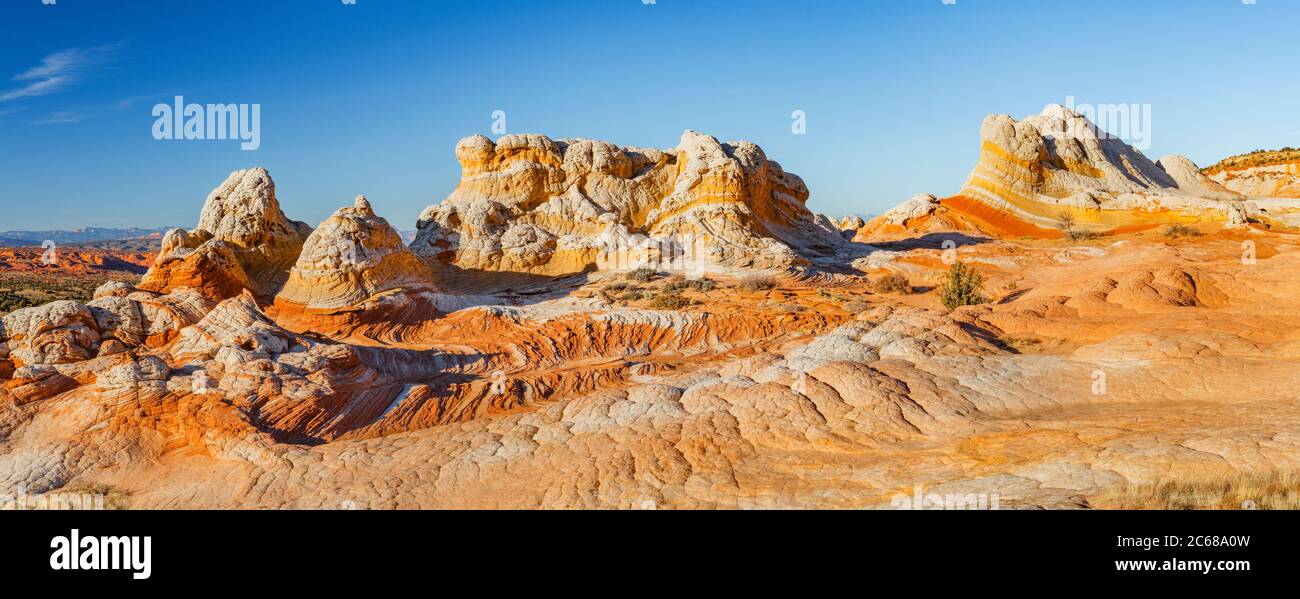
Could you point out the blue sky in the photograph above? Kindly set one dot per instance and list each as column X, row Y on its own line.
column 371, row 98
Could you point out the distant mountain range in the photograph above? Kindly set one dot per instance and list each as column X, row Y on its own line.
column 84, row 235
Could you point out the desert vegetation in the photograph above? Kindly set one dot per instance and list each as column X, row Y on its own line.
column 643, row 275
column 758, row 283
column 680, row 283
column 667, row 299
column 893, row 283
column 963, row 286
column 1065, row 222
column 1176, row 231
column 1255, row 159
column 23, row 290
column 1267, row 490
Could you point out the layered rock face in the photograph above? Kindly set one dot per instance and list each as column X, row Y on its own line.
column 1263, row 174
column 243, row 241
column 531, row 204
column 351, row 257
column 1034, row 171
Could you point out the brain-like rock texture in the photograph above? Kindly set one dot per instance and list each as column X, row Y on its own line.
column 351, row 257
column 66, row 332
column 243, row 241
column 531, row 204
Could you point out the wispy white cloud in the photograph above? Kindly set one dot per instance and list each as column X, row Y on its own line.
column 125, row 103
column 84, row 113
column 60, row 117
column 60, row 70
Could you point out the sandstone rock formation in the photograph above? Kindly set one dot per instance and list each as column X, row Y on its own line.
column 1260, row 174
column 67, row 332
column 1058, row 166
column 1188, row 178
column 723, row 407
column 918, row 206
column 243, row 241
column 849, row 225
column 530, row 204
column 351, row 257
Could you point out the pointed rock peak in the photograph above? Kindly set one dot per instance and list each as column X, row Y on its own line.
column 1176, row 161
column 363, row 205
column 1189, row 178
column 1060, row 111
column 352, row 256
column 353, row 236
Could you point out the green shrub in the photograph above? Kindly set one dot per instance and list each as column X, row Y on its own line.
column 962, row 287
column 702, row 284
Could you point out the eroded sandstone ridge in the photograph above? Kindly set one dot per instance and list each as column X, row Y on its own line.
column 1261, row 174
column 534, row 205
column 1055, row 167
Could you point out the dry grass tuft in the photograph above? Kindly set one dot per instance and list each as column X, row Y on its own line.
column 893, row 283
column 643, row 275
column 98, row 495
column 758, row 283
column 1271, row 490
column 1176, row 231
column 856, row 307
column 679, row 283
column 670, row 300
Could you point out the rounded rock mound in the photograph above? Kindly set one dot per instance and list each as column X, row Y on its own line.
column 351, row 258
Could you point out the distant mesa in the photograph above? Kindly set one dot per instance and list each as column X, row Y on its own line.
column 86, row 235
